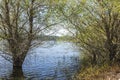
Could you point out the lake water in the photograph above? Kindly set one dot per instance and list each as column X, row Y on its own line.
column 51, row 61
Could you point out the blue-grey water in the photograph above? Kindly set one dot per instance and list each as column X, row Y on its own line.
column 50, row 61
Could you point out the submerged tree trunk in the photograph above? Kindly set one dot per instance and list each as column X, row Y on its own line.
column 17, row 62
column 17, row 73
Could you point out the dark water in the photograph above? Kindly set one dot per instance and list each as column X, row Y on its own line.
column 47, row 62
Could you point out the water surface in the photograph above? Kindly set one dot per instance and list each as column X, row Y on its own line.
column 59, row 61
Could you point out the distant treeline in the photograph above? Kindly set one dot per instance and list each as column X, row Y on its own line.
column 49, row 38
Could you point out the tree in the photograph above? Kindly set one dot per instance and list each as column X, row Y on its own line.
column 20, row 22
column 105, row 16
column 96, row 28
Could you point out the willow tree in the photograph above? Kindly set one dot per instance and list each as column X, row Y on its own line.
column 105, row 21
column 95, row 25
column 20, row 22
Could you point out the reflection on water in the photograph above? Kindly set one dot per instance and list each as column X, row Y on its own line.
column 57, row 62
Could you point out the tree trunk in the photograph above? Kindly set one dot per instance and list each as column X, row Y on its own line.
column 94, row 60
column 112, row 53
column 17, row 62
column 17, row 73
